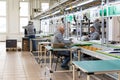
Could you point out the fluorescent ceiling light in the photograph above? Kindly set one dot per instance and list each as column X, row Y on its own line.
column 80, row 4
column 86, row 2
column 56, row 12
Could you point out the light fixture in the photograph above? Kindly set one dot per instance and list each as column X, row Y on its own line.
column 56, row 12
column 86, row 2
column 80, row 4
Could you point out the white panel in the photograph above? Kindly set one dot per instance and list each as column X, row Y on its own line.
column 13, row 36
column 114, row 29
column 13, row 16
column 37, row 24
column 2, row 37
column 110, row 37
column 45, row 26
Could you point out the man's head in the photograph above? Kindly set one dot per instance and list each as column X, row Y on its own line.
column 92, row 29
column 61, row 29
column 30, row 22
column 97, row 20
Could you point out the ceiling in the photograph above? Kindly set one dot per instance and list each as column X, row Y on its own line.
column 61, row 5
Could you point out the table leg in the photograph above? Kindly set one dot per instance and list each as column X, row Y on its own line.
column 41, row 52
column 38, row 54
column 88, row 77
column 73, row 72
column 51, row 72
column 70, row 57
column 79, row 54
column 118, row 75
column 50, row 60
column 38, row 50
column 30, row 45
column 45, row 57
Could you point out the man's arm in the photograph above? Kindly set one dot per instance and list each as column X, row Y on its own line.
column 60, row 39
column 34, row 30
column 94, row 36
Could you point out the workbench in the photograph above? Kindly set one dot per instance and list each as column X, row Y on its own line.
column 97, row 67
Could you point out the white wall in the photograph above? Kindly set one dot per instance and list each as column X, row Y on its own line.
column 13, row 23
column 114, row 29
column 37, row 24
column 13, row 28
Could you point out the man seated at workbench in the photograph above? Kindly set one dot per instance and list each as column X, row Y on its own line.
column 94, row 35
column 58, row 38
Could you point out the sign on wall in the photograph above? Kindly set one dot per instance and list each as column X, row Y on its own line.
column 114, row 10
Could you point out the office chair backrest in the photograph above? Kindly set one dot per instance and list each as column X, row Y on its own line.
column 58, row 45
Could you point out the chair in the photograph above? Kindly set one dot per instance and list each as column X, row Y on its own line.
column 57, row 60
column 55, row 53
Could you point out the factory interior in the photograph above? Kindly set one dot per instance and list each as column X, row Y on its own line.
column 60, row 40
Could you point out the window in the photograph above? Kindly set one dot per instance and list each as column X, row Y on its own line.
column 3, row 8
column 24, row 15
column 2, row 24
column 44, row 6
column 2, row 16
column 23, row 8
column 23, row 22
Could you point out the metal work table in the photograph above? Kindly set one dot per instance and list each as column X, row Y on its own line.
column 94, row 67
column 98, row 53
column 39, row 39
column 41, row 49
column 50, row 49
column 101, row 54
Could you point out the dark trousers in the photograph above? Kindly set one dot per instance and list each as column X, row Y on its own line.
column 66, row 55
column 33, row 42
